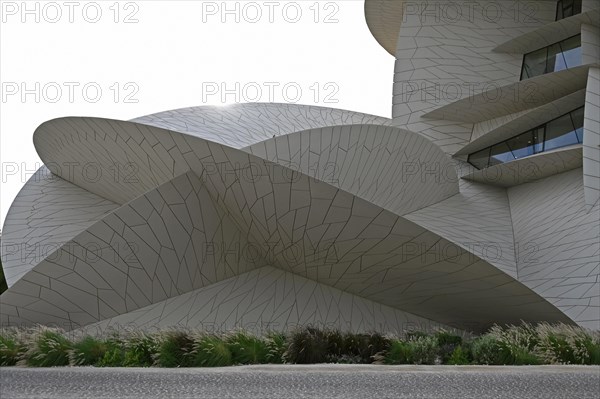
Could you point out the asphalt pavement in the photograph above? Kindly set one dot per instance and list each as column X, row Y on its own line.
column 311, row 381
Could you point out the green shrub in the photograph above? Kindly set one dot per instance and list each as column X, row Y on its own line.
column 520, row 356
column 11, row 349
column 88, row 351
column 140, row 349
column 47, row 347
column 174, row 349
column 213, row 351
column 336, row 345
column 276, row 347
column 447, row 344
column 375, row 343
column 516, row 344
column 353, row 346
column 247, row 349
column 585, row 345
column 424, row 350
column 306, row 346
column 594, row 351
column 447, row 338
column 399, row 352
column 486, row 350
column 459, row 356
column 114, row 356
column 567, row 344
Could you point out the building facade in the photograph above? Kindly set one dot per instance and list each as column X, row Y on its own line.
column 476, row 203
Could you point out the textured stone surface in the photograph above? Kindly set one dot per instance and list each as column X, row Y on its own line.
column 313, row 381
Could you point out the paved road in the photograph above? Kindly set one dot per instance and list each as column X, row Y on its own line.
column 290, row 381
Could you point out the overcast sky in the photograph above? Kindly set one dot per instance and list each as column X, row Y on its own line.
column 126, row 59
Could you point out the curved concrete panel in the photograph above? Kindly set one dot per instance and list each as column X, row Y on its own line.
column 550, row 33
column 241, row 125
column 309, row 227
column 47, row 213
column 267, row 299
column 157, row 246
column 387, row 166
column 383, row 19
column 529, row 169
column 560, row 244
column 591, row 139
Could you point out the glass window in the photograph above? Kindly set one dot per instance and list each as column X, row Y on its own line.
column 556, row 57
column 577, row 118
column 571, row 50
column 556, row 60
column 534, row 63
column 538, row 139
column 559, row 133
column 480, row 159
column 567, row 8
column 500, row 153
column 522, row 145
column 579, row 133
column 559, row 10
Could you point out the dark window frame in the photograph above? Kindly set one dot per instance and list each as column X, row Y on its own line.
column 575, row 7
column 531, row 131
column 546, row 62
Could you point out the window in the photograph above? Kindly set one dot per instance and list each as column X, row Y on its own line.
column 556, row 57
column 500, row 153
column 480, row 159
column 577, row 117
column 567, row 8
column 560, row 132
column 522, row 145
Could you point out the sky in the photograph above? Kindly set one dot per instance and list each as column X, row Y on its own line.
column 124, row 59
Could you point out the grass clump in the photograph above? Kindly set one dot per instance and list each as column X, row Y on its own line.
column 448, row 343
column 524, row 344
column 424, row 350
column 247, row 349
column 416, row 349
column 139, row 350
column 276, row 346
column 563, row 344
column 486, row 350
column 459, row 356
column 515, row 345
column 364, row 347
column 47, row 347
column 174, row 349
column 11, row 347
column 399, row 352
column 88, row 351
column 307, row 346
column 114, row 356
column 211, row 351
